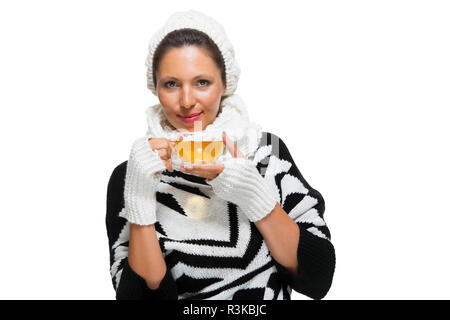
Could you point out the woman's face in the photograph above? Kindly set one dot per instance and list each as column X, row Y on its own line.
column 189, row 83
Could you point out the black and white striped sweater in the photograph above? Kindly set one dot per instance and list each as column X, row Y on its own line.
column 224, row 256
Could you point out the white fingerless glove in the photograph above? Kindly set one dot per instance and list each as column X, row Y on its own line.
column 144, row 170
column 241, row 183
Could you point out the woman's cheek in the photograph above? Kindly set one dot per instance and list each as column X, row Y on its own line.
column 210, row 99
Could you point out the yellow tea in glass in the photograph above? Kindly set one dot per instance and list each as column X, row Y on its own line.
column 199, row 151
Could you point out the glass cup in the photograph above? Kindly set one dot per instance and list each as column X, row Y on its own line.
column 194, row 148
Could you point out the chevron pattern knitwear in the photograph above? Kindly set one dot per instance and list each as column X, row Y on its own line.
column 211, row 247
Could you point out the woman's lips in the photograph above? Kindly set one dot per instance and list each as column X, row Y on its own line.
column 190, row 119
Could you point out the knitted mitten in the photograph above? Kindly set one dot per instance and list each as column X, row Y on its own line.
column 144, row 170
column 241, row 183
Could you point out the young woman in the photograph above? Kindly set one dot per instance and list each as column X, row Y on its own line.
column 250, row 227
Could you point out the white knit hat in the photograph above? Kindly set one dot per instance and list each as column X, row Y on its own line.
column 197, row 20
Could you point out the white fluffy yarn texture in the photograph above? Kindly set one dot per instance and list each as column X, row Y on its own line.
column 197, row 20
column 233, row 119
column 241, row 183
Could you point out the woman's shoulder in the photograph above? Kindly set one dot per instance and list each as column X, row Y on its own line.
column 121, row 168
column 268, row 137
column 117, row 178
column 273, row 147
column 275, row 143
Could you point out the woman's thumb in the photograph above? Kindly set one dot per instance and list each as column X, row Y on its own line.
column 231, row 146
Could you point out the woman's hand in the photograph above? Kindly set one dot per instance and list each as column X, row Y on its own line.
column 164, row 147
column 211, row 171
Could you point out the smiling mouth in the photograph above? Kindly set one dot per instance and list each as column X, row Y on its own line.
column 191, row 115
column 191, row 119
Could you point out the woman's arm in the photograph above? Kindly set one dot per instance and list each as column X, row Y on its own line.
column 295, row 231
column 281, row 234
column 140, row 245
column 145, row 256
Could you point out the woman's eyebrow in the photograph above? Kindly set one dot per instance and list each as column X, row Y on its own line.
column 196, row 77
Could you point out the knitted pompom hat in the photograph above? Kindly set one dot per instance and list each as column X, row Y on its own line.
column 196, row 20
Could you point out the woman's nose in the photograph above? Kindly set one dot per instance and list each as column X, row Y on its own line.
column 187, row 98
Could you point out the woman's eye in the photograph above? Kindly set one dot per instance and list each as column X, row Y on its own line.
column 172, row 84
column 167, row 84
column 206, row 82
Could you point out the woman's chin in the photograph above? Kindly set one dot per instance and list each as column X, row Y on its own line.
column 194, row 126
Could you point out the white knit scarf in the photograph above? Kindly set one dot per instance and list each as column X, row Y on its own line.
column 233, row 119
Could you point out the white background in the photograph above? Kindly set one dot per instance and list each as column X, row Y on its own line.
column 358, row 90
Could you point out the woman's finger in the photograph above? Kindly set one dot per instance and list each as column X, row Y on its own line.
column 172, row 145
column 208, row 171
column 164, row 154
column 159, row 143
column 231, row 146
column 180, row 138
column 168, row 165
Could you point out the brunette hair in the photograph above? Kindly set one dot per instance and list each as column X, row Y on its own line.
column 187, row 37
